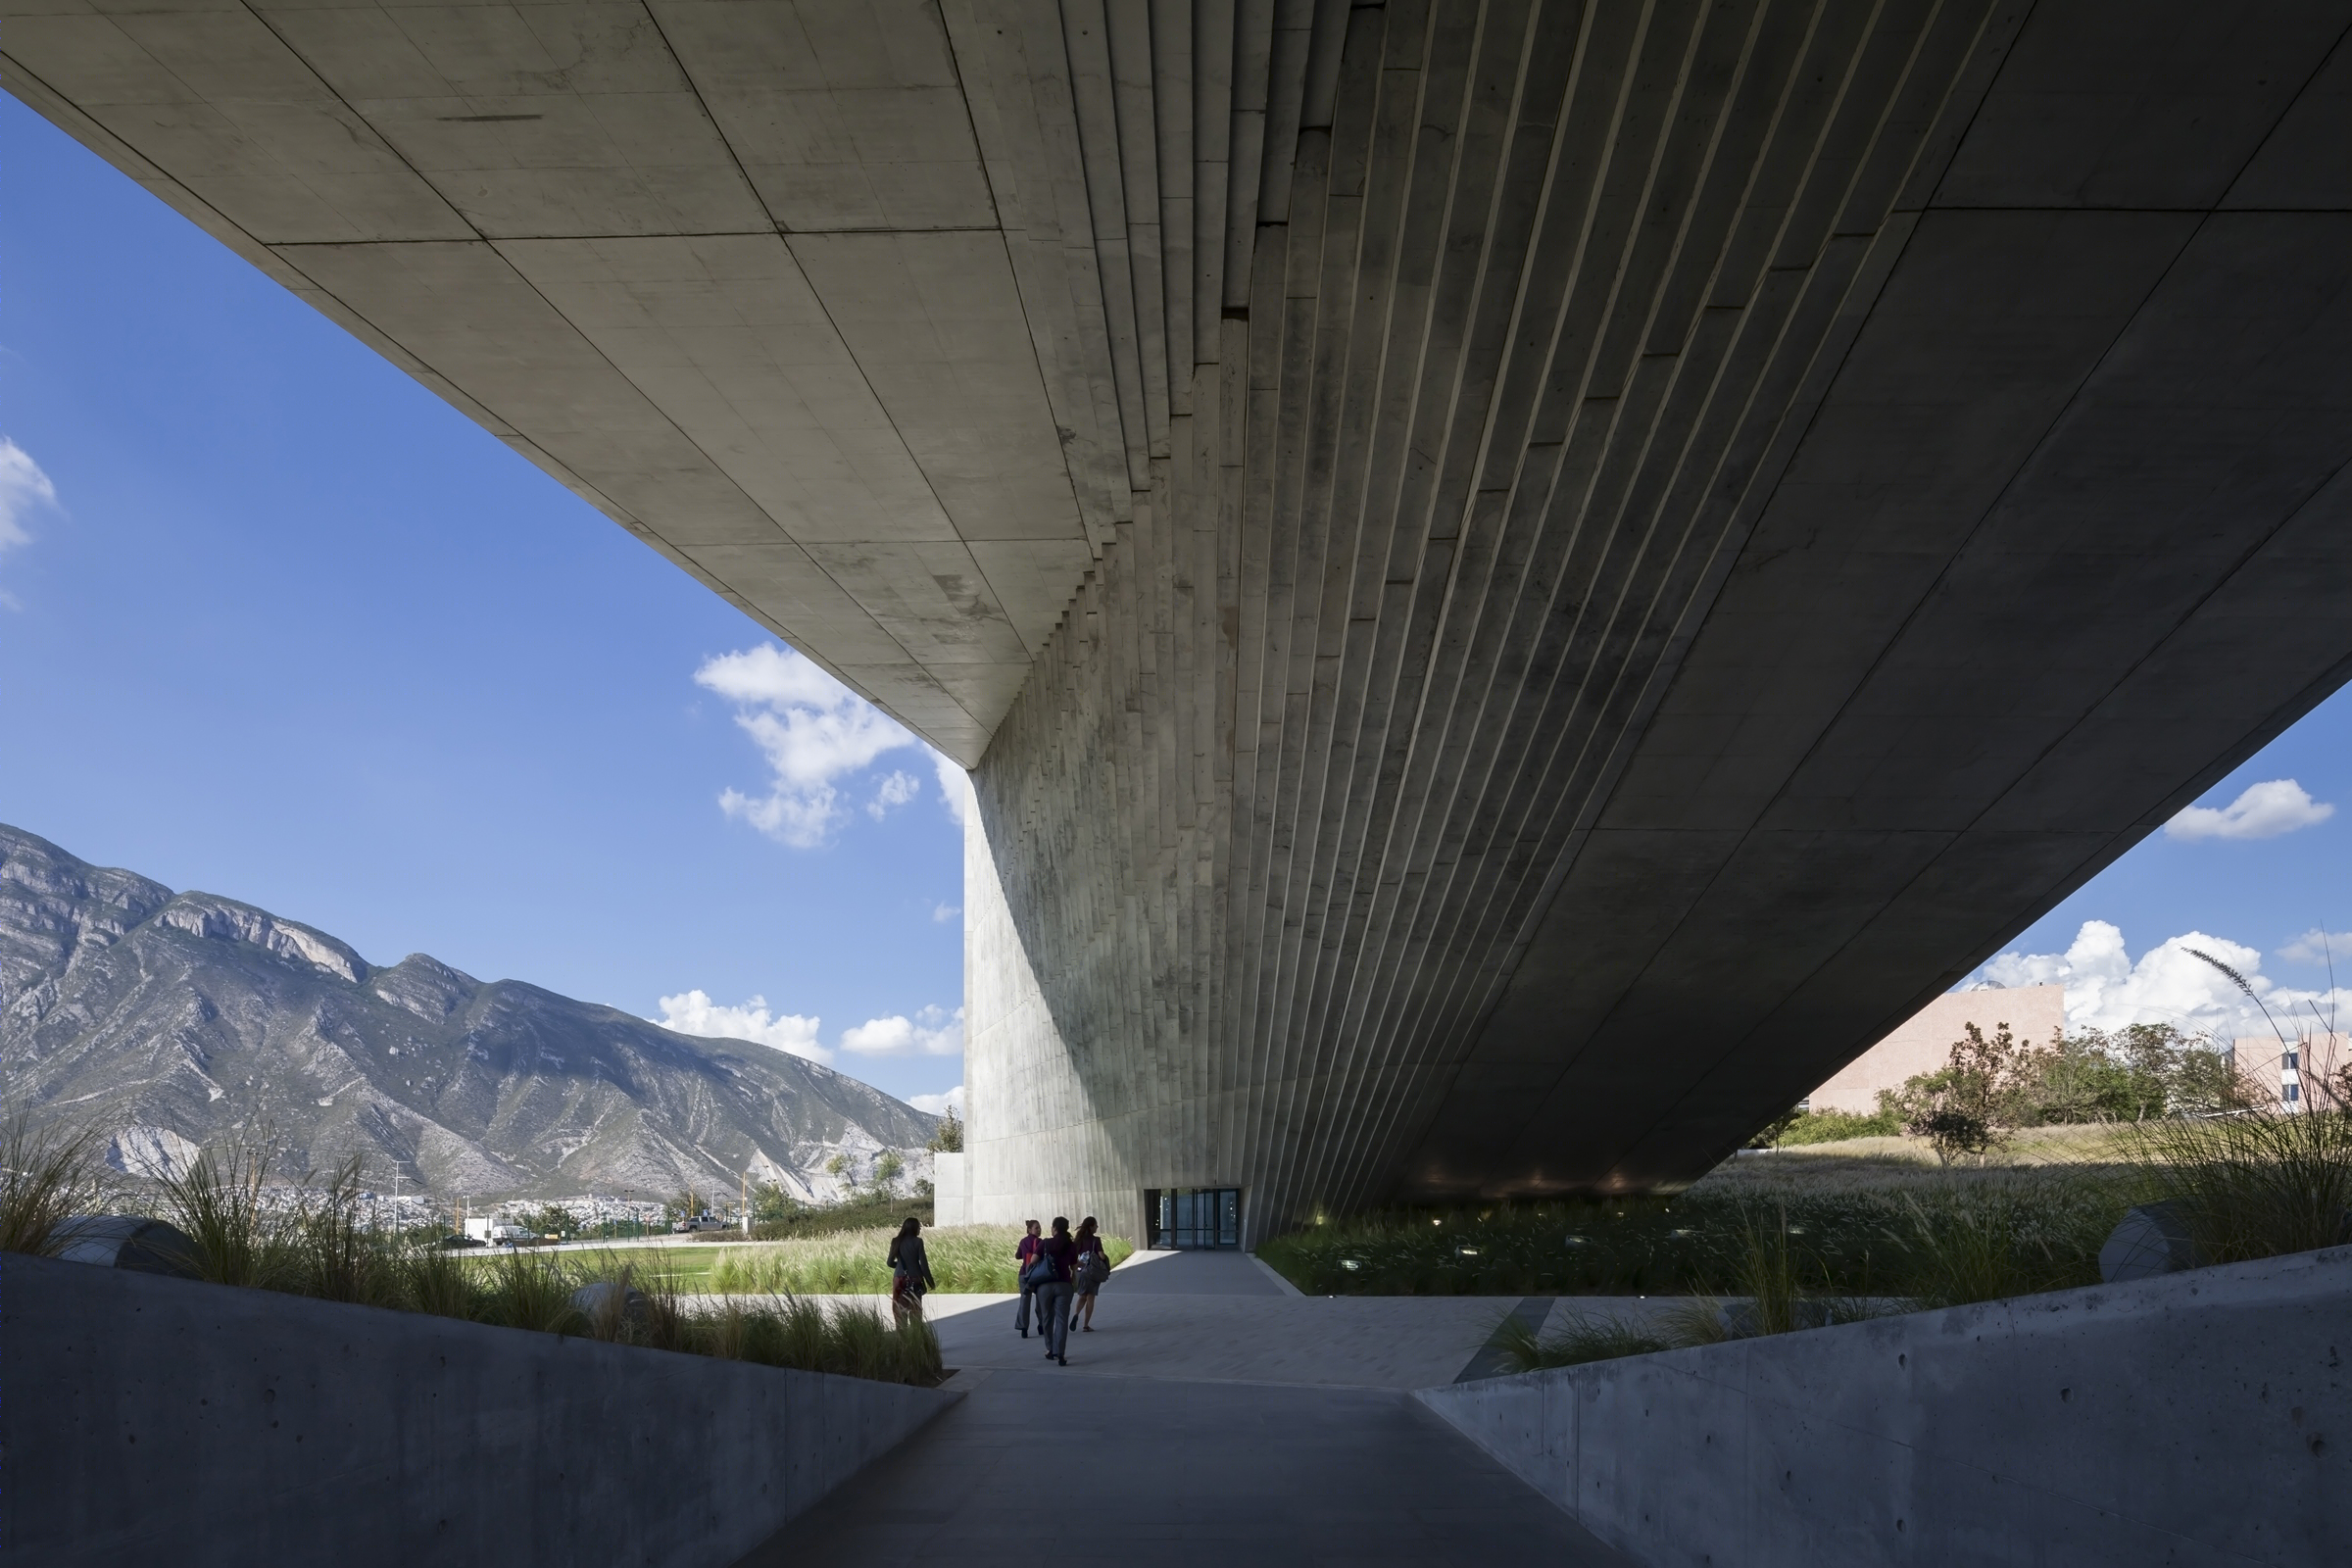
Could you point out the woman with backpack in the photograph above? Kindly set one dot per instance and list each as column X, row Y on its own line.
column 1094, row 1267
column 910, row 1272
column 1050, row 1275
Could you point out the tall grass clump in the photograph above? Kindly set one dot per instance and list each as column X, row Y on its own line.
column 436, row 1282
column 337, row 1256
column 2255, row 1185
column 778, row 1329
column 1980, row 1243
column 46, row 1177
column 530, row 1291
column 219, row 1200
column 1523, row 1349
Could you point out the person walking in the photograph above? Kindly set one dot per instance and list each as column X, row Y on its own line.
column 1056, row 1267
column 910, row 1272
column 1022, row 1255
column 1094, row 1267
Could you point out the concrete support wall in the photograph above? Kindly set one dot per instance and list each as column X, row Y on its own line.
column 1683, row 528
column 2203, row 1418
column 1256, row 844
column 150, row 1419
column 950, row 1190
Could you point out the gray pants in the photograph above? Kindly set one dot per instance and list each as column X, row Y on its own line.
column 1020, row 1316
column 1054, row 1317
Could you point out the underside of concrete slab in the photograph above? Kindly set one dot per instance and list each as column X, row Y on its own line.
column 1520, row 580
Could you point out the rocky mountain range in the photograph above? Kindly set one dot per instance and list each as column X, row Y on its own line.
column 167, row 1021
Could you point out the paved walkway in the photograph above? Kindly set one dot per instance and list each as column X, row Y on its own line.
column 1213, row 1416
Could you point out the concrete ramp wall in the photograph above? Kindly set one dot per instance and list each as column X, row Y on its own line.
column 150, row 1419
column 2203, row 1418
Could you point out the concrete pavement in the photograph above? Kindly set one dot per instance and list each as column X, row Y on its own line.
column 1208, row 1417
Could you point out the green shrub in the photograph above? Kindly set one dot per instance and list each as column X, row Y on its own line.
column 1835, row 1127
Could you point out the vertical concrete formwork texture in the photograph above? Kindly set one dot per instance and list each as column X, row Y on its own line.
column 1688, row 526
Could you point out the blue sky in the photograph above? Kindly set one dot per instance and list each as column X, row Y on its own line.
column 296, row 632
column 292, row 630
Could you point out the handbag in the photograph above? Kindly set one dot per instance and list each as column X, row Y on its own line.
column 1039, row 1271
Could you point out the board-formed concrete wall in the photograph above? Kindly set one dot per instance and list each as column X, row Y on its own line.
column 1696, row 524
column 152, row 1419
column 2201, row 1418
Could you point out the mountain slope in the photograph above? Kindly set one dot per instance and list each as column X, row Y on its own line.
column 164, row 1019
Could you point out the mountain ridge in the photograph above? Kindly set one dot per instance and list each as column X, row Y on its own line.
column 163, row 1019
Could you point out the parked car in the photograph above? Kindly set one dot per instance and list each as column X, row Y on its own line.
column 704, row 1221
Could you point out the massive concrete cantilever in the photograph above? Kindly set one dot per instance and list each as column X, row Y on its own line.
column 1522, row 578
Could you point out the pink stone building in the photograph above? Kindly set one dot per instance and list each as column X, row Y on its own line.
column 1923, row 1042
column 2293, row 1077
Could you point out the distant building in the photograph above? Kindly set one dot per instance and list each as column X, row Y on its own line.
column 2292, row 1077
column 1923, row 1042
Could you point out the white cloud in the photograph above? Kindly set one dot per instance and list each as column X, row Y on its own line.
column 24, row 488
column 814, row 732
column 932, row 1032
column 2263, row 812
column 936, row 1104
column 893, row 791
column 693, row 1013
column 954, row 787
column 2316, row 946
column 943, row 913
column 2168, row 984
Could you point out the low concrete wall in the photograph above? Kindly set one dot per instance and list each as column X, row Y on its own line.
column 152, row 1419
column 2204, row 1418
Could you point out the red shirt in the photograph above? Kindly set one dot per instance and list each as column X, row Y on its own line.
column 1026, row 1251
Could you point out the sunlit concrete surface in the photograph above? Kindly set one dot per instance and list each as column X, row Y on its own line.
column 1521, row 580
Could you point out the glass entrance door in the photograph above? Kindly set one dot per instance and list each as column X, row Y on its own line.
column 1187, row 1217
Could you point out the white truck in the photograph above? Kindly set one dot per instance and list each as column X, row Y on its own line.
column 704, row 1221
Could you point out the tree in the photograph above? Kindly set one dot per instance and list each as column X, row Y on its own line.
column 887, row 1169
column 2075, row 1078
column 1965, row 1107
column 947, row 1139
column 2207, row 1082
column 771, row 1205
column 1772, row 1132
column 552, row 1219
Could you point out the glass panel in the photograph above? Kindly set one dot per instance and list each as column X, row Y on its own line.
column 1197, row 1218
